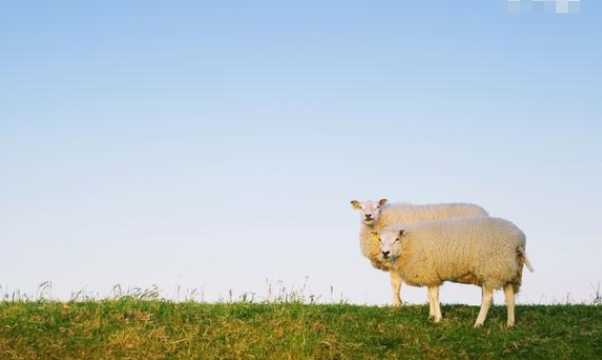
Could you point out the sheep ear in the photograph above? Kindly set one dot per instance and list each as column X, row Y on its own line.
column 382, row 202
column 402, row 232
column 355, row 204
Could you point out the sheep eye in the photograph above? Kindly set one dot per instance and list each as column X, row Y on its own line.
column 397, row 240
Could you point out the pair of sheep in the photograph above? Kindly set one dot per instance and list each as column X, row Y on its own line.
column 426, row 245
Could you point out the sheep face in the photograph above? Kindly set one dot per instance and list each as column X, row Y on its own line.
column 390, row 243
column 370, row 210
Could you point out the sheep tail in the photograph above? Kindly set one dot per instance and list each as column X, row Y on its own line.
column 523, row 255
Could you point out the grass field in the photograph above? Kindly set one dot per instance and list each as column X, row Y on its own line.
column 130, row 328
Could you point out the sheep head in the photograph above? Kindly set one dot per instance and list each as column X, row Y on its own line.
column 390, row 242
column 370, row 210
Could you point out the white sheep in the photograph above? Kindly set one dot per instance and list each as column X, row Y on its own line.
column 377, row 215
column 484, row 251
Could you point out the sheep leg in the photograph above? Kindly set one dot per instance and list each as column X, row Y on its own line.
column 509, row 293
column 434, row 295
column 438, row 314
column 431, row 305
column 485, row 303
column 396, row 286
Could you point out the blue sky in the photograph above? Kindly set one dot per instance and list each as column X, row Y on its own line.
column 216, row 144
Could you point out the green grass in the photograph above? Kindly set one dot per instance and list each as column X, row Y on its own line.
column 131, row 328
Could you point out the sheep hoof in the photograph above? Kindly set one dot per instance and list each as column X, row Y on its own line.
column 510, row 324
column 434, row 319
column 478, row 325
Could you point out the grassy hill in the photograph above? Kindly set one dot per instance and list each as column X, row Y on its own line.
column 130, row 328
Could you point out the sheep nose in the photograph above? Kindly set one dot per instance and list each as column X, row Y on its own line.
column 368, row 216
column 386, row 254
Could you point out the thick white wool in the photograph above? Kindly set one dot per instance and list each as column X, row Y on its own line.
column 405, row 213
column 476, row 250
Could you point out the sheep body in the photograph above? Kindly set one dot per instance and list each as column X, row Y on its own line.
column 485, row 251
column 465, row 250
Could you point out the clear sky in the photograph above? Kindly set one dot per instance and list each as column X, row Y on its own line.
column 216, row 144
